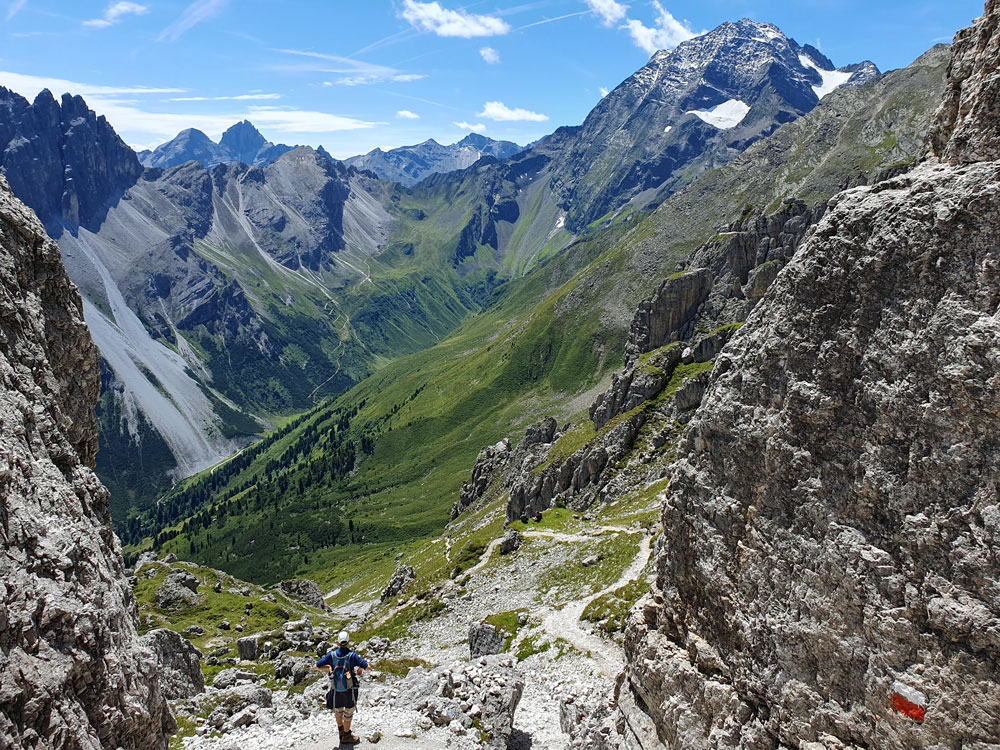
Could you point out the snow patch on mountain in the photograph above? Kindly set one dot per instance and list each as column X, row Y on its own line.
column 832, row 79
column 724, row 116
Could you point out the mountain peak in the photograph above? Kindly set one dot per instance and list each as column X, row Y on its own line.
column 474, row 139
column 243, row 140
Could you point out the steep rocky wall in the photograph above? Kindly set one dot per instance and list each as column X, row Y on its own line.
column 828, row 576
column 675, row 335
column 967, row 128
column 72, row 674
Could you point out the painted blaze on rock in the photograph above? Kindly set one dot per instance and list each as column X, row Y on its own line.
column 908, row 701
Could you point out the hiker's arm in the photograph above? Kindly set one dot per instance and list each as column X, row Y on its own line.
column 323, row 665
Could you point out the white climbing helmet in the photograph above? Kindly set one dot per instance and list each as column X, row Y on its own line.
column 343, row 638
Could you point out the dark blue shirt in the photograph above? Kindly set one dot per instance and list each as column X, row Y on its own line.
column 353, row 662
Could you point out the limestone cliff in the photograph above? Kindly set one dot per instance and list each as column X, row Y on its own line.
column 828, row 576
column 72, row 674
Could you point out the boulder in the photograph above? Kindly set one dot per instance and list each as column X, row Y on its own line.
column 228, row 678
column 484, row 639
column 248, row 647
column 293, row 669
column 306, row 591
column 511, row 541
column 239, row 697
column 178, row 591
column 179, row 663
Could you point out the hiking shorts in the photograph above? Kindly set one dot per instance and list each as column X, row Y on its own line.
column 342, row 703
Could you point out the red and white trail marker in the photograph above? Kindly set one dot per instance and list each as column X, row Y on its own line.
column 908, row 700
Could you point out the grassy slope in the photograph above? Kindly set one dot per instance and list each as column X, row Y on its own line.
column 552, row 336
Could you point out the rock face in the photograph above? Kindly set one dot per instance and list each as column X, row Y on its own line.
column 967, row 129
column 61, row 159
column 179, row 663
column 828, row 575
column 73, row 672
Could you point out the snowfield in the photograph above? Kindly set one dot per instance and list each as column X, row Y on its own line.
column 724, row 116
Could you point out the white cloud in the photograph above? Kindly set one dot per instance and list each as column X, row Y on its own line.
column 195, row 13
column 114, row 12
column 666, row 34
column 475, row 128
column 490, row 55
column 359, row 73
column 405, row 114
column 368, row 80
column 604, row 92
column 240, row 98
column 14, row 7
column 501, row 112
column 28, row 86
column 444, row 22
column 611, row 12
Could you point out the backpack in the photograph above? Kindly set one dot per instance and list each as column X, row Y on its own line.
column 341, row 674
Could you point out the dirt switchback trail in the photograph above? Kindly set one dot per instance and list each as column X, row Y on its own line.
column 565, row 622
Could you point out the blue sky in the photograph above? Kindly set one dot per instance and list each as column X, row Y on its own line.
column 355, row 74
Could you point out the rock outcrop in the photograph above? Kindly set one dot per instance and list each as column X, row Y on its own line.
column 61, row 159
column 828, row 574
column 73, row 673
column 401, row 578
column 179, row 663
column 489, row 464
column 483, row 694
column 305, row 591
column 675, row 335
column 484, row 640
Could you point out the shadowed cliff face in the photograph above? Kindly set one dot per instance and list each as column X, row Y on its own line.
column 828, row 574
column 63, row 160
column 72, row 674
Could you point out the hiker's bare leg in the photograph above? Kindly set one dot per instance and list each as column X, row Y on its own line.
column 348, row 718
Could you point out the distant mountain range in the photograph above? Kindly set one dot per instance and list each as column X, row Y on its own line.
column 241, row 143
column 408, row 165
column 221, row 298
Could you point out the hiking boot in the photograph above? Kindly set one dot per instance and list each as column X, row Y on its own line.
column 349, row 738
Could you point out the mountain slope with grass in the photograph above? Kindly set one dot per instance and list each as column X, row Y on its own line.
column 547, row 345
column 224, row 301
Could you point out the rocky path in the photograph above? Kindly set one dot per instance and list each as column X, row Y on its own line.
column 565, row 622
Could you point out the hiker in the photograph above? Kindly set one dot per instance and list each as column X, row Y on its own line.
column 344, row 667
